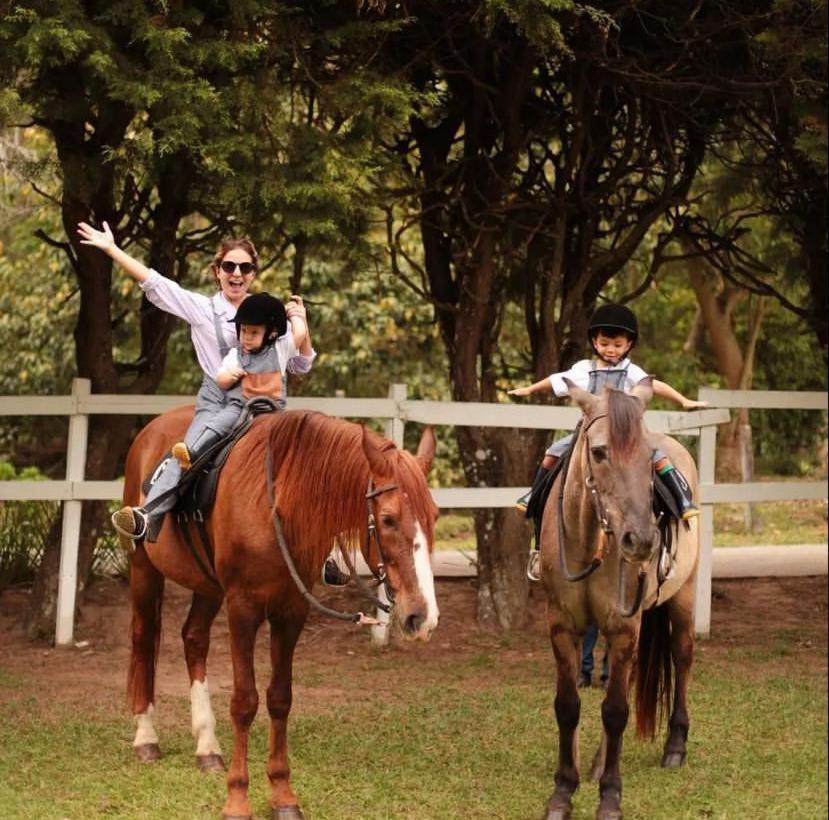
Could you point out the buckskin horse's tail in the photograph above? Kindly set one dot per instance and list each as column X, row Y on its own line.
column 654, row 690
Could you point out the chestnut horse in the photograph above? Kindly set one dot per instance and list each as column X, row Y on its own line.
column 600, row 562
column 329, row 476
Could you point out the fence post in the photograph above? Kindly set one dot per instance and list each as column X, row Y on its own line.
column 707, row 464
column 394, row 431
column 71, row 526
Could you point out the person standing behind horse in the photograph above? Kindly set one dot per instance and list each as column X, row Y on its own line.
column 613, row 331
column 234, row 267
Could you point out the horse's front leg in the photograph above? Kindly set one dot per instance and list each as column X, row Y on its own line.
column 284, row 635
column 195, row 635
column 567, row 651
column 682, row 651
column 147, row 594
column 615, row 711
column 244, row 619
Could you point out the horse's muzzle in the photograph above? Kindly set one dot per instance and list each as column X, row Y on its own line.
column 638, row 545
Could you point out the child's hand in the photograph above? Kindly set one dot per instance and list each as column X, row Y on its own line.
column 690, row 404
column 295, row 307
column 237, row 373
column 98, row 239
column 519, row 391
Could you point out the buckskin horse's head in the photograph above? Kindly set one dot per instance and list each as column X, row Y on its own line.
column 616, row 460
column 401, row 521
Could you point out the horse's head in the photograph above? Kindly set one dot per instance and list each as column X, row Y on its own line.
column 402, row 516
column 615, row 459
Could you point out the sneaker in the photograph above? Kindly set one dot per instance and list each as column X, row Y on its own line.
column 332, row 575
column 131, row 522
column 691, row 511
column 534, row 565
column 182, row 455
column 522, row 503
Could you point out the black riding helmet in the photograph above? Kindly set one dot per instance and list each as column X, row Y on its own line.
column 262, row 309
column 612, row 318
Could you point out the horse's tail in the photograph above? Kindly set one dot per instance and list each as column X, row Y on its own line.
column 147, row 589
column 653, row 671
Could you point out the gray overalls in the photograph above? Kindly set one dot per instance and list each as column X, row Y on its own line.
column 600, row 378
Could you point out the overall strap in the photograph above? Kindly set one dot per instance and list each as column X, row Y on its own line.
column 224, row 348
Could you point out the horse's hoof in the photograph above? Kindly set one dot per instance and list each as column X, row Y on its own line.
column 610, row 806
column 673, row 760
column 558, row 808
column 236, row 816
column 287, row 813
column 210, row 763
column 147, row 752
column 608, row 814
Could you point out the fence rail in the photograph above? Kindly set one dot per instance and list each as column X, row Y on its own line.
column 396, row 410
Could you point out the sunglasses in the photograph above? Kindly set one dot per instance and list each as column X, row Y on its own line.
column 244, row 267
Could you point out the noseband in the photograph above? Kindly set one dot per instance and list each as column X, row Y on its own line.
column 607, row 531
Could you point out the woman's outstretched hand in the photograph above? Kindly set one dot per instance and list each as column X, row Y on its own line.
column 295, row 307
column 98, row 239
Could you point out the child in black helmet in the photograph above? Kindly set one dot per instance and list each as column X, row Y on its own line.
column 253, row 369
column 613, row 331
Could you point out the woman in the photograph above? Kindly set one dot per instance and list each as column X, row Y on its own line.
column 213, row 332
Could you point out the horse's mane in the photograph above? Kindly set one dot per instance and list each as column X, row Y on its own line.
column 624, row 415
column 321, row 476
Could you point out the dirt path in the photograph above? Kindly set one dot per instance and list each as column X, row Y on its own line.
column 750, row 613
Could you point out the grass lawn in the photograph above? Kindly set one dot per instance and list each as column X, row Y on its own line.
column 476, row 741
column 780, row 522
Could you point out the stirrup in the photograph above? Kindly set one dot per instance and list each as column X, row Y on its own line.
column 533, row 564
column 131, row 522
column 332, row 575
column 182, row 455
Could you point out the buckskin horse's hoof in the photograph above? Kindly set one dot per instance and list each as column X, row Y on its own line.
column 558, row 808
column 287, row 813
column 147, row 752
column 210, row 763
column 673, row 760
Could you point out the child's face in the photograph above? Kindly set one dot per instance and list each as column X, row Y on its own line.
column 612, row 348
column 251, row 337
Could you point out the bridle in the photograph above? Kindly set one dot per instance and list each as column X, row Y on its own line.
column 371, row 534
column 606, row 529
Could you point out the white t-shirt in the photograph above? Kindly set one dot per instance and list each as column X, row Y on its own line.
column 579, row 374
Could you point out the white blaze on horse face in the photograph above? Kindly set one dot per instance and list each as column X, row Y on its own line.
column 203, row 720
column 425, row 577
column 145, row 731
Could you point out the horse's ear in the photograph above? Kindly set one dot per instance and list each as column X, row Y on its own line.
column 376, row 458
column 581, row 396
column 426, row 449
column 643, row 390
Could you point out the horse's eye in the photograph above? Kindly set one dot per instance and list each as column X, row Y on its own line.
column 598, row 453
column 388, row 521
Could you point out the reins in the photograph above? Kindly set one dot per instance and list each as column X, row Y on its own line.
column 606, row 534
column 352, row 617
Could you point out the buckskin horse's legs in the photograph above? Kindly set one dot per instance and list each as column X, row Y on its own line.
column 680, row 611
column 195, row 634
column 615, row 711
column 147, row 594
column 566, row 648
column 244, row 619
column 284, row 635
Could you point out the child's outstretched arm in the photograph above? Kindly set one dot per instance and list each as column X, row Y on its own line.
column 667, row 392
column 298, row 320
column 105, row 241
column 539, row 387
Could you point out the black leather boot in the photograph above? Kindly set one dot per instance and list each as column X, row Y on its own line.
column 681, row 491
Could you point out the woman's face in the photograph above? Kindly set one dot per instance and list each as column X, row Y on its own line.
column 232, row 279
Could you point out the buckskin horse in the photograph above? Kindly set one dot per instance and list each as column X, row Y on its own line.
column 601, row 562
column 330, row 480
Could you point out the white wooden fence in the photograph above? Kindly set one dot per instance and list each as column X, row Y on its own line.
column 396, row 410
